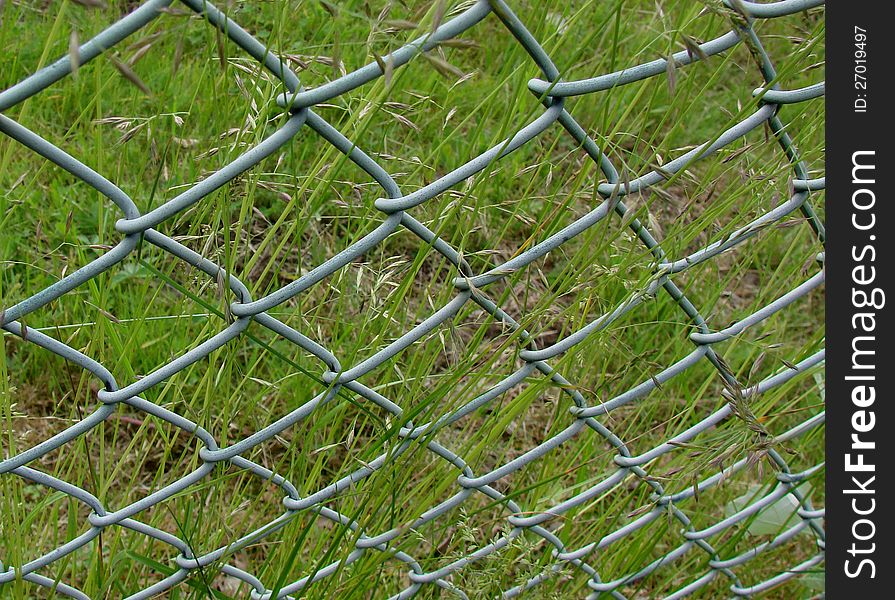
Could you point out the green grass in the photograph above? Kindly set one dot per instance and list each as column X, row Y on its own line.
column 209, row 102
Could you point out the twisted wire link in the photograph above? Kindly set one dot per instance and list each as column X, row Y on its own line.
column 394, row 205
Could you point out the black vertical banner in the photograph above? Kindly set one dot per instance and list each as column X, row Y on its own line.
column 860, row 432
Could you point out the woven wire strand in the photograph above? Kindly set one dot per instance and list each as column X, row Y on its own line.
column 394, row 205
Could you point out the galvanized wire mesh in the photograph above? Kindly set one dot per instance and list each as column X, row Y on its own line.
column 470, row 287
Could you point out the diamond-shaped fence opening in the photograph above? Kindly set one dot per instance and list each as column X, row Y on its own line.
column 493, row 483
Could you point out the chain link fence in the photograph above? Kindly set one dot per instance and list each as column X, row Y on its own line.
column 471, row 287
